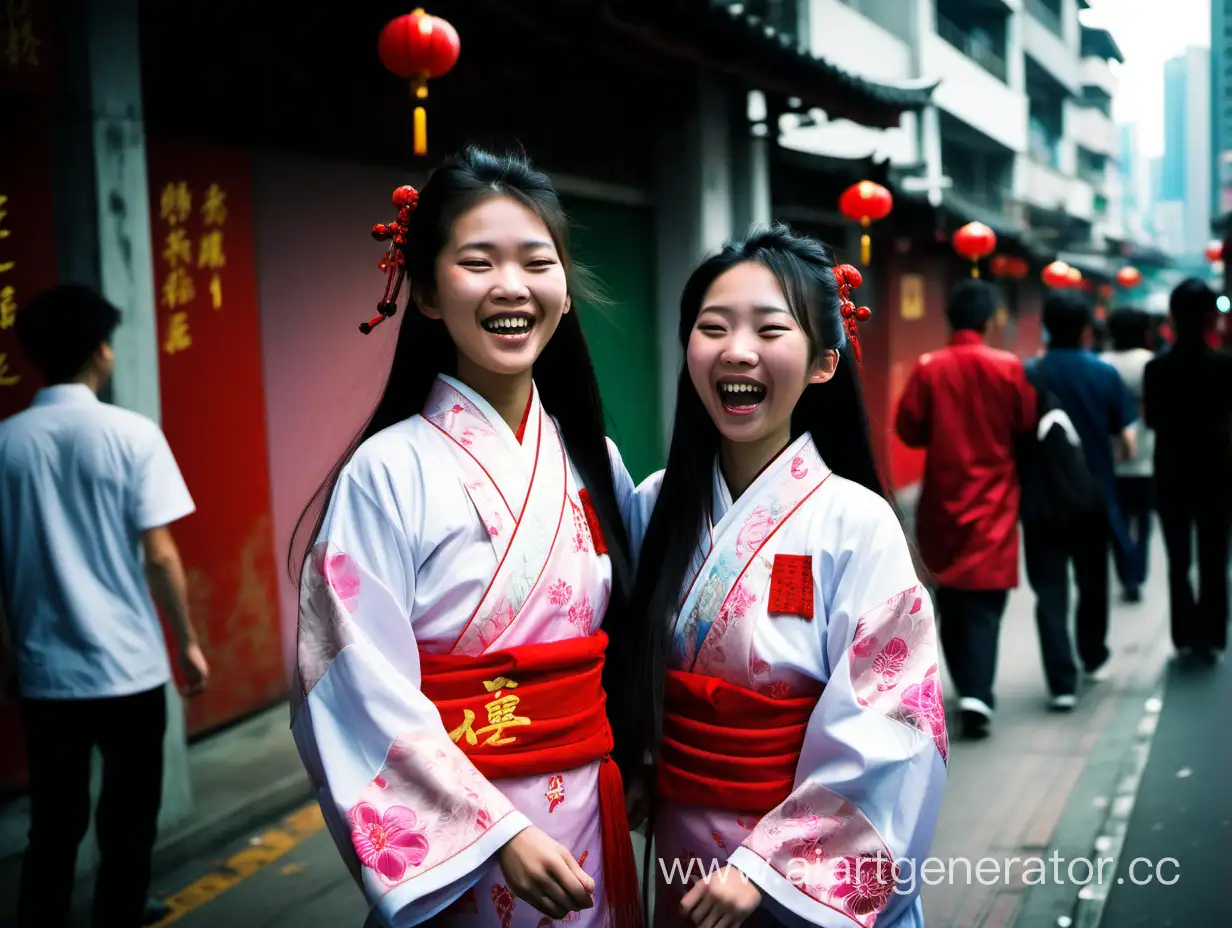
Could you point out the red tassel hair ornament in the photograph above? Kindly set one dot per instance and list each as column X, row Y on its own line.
column 848, row 279
column 406, row 198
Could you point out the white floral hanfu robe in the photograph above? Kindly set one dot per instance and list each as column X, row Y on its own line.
column 445, row 535
column 806, row 596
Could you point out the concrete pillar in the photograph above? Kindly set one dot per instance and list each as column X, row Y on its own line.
column 1015, row 57
column 693, row 215
column 750, row 161
column 103, row 240
column 921, row 24
column 1071, row 27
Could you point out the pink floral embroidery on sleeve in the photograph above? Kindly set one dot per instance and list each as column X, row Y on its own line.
column 453, row 807
column 327, row 599
column 813, row 840
column 899, row 678
column 387, row 842
column 342, row 574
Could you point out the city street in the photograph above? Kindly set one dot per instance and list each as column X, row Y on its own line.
column 1042, row 785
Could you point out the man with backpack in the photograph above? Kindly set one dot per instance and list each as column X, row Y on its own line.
column 1069, row 510
column 967, row 404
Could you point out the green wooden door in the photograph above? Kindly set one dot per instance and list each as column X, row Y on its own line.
column 617, row 243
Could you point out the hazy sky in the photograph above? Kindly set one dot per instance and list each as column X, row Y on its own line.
column 1149, row 33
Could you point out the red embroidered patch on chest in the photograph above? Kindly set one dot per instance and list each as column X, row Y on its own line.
column 592, row 522
column 791, row 585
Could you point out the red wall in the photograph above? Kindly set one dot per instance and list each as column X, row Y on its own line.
column 27, row 265
column 213, row 414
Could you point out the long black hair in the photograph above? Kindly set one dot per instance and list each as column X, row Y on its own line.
column 832, row 412
column 564, row 374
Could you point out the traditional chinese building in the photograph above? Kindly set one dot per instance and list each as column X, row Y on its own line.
column 219, row 184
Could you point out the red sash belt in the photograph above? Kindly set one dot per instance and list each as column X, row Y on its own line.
column 553, row 719
column 729, row 743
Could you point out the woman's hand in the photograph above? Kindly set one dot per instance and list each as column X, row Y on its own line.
column 724, row 899
column 542, row 872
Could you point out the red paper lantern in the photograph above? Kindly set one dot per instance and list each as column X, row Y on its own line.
column 1075, row 277
column 1056, row 275
column 1129, row 277
column 1214, row 251
column 865, row 202
column 419, row 47
column 974, row 241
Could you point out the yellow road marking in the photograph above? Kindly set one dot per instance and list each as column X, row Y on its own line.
column 263, row 851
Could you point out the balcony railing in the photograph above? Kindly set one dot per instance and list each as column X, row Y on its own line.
column 973, row 48
column 1046, row 15
column 782, row 15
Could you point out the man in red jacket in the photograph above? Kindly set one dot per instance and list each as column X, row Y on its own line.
column 967, row 403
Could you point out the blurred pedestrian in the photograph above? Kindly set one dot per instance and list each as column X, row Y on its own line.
column 967, row 403
column 1188, row 400
column 90, row 490
column 1130, row 331
column 1097, row 402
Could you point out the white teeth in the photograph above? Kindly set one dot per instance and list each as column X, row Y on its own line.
column 508, row 324
column 740, row 388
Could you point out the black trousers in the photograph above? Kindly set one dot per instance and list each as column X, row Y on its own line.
column 1049, row 555
column 1200, row 622
column 1134, row 497
column 970, row 623
column 60, row 737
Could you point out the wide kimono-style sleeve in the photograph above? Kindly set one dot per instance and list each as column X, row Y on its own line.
column 414, row 820
column 636, row 502
column 845, row 848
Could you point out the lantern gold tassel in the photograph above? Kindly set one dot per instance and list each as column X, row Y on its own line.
column 866, row 244
column 975, row 269
column 421, row 131
column 419, row 90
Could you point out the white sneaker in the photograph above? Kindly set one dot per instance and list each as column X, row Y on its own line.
column 1064, row 702
column 971, row 704
column 1101, row 673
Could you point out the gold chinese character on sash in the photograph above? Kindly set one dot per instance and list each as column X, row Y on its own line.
column 4, row 233
column 502, row 714
column 466, row 728
column 175, row 204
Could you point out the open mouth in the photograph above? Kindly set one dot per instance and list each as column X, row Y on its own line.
column 741, row 395
column 509, row 325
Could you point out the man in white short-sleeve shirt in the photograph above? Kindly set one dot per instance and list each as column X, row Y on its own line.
column 89, row 491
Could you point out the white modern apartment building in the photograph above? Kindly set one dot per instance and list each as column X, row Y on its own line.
column 1020, row 133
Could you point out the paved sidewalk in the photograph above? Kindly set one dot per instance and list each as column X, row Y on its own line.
column 1041, row 784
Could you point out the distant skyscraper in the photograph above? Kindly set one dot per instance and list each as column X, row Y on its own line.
column 1176, row 79
column 1221, row 106
column 1186, row 175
